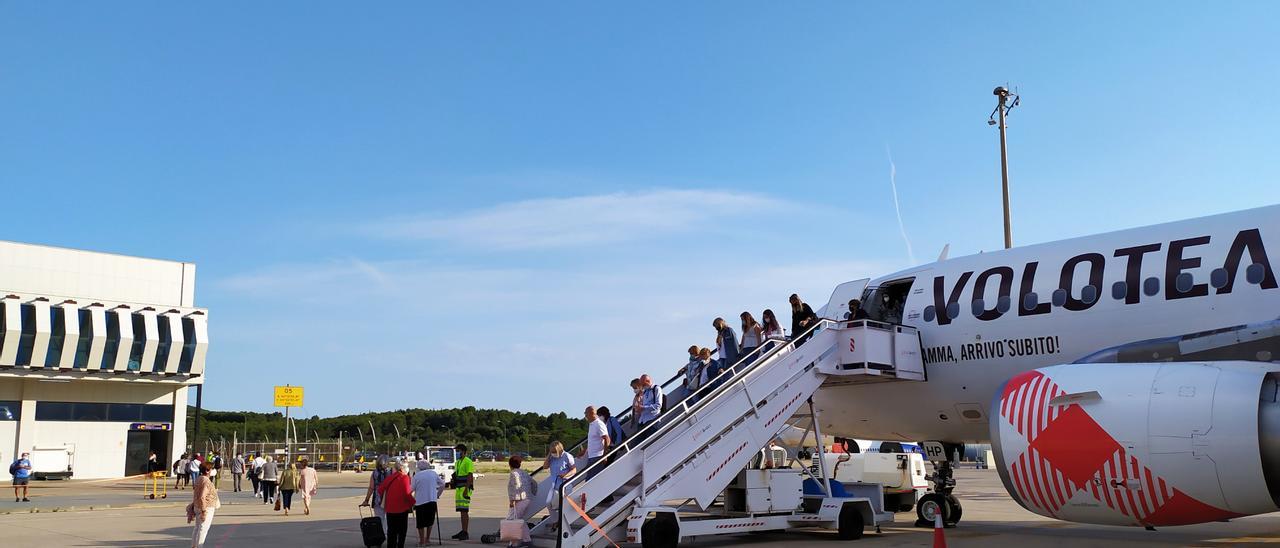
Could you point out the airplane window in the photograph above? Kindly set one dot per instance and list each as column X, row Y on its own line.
column 1059, row 297
column 1119, row 290
column 953, row 310
column 1255, row 273
column 1183, row 282
column 1089, row 294
column 1151, row 286
column 929, row 313
column 979, row 307
column 1218, row 278
column 1030, row 301
column 1003, row 304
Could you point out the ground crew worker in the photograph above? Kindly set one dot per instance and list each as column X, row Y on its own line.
column 463, row 484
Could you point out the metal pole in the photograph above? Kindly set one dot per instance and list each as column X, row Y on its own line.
column 199, row 407
column 822, row 460
column 1001, row 109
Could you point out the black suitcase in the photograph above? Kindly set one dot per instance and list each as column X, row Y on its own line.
column 371, row 529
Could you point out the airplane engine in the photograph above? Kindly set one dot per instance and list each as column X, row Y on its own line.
column 1147, row 444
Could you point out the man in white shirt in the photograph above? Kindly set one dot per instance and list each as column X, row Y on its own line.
column 597, row 440
column 427, row 487
column 258, row 461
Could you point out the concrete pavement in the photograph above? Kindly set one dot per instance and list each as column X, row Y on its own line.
column 991, row 518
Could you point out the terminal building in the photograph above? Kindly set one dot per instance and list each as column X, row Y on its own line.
column 97, row 352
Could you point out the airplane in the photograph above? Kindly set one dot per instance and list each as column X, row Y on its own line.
column 1127, row 378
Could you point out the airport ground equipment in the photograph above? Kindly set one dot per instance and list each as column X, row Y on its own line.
column 901, row 475
column 688, row 473
column 52, row 462
column 154, row 485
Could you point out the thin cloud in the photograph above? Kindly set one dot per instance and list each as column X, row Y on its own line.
column 580, row 220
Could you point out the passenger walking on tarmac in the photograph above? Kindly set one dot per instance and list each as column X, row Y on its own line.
column 464, row 483
column 752, row 335
column 308, row 483
column 257, row 474
column 427, row 488
column 216, row 474
column 380, row 474
column 802, row 318
column 598, row 442
column 288, row 486
column 20, row 469
column 397, row 494
column 193, row 467
column 153, row 463
column 180, row 472
column 562, row 467
column 270, row 475
column 770, row 326
column 237, row 471
column 204, row 503
column 520, row 492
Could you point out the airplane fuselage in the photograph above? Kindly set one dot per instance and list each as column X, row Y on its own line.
column 985, row 318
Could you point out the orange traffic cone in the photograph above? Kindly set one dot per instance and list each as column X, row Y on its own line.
column 939, row 539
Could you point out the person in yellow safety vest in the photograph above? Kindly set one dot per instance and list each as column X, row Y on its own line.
column 463, row 484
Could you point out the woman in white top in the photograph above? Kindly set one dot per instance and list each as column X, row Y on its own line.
column 520, row 492
column 752, row 335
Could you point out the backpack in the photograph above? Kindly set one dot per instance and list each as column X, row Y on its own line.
column 13, row 468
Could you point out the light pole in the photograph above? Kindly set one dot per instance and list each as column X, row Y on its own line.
column 506, row 447
column 1003, row 106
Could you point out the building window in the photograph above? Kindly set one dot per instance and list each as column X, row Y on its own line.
column 85, row 342
column 27, row 339
column 102, row 412
column 57, row 336
column 166, row 341
column 113, row 341
column 139, row 341
column 188, row 345
column 10, row 410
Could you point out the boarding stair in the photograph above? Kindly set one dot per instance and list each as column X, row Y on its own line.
column 696, row 448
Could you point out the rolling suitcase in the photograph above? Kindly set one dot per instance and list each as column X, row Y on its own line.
column 371, row 529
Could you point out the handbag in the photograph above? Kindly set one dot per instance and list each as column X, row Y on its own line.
column 278, row 503
column 512, row 529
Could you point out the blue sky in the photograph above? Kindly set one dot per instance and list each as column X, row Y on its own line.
column 524, row 205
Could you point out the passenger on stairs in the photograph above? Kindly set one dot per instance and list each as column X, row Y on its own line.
column 649, row 407
column 726, row 343
column 690, row 371
column 611, row 424
column 855, row 310
column 704, row 368
column 752, row 336
column 597, row 440
column 633, row 425
column 770, row 326
column 562, row 467
column 802, row 318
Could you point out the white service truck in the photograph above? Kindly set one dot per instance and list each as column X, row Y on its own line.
column 902, row 475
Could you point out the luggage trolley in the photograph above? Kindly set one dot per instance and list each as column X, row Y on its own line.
column 158, row 487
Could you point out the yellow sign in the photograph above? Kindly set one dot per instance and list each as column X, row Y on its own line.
column 288, row 396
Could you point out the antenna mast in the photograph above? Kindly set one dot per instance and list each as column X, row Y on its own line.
column 1003, row 106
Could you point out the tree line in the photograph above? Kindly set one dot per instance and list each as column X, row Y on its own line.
column 400, row 430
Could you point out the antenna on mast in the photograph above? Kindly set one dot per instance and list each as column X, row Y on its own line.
column 997, row 118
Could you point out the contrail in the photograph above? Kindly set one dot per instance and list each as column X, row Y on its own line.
column 893, row 183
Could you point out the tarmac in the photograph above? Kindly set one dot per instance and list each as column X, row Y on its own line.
column 60, row 515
